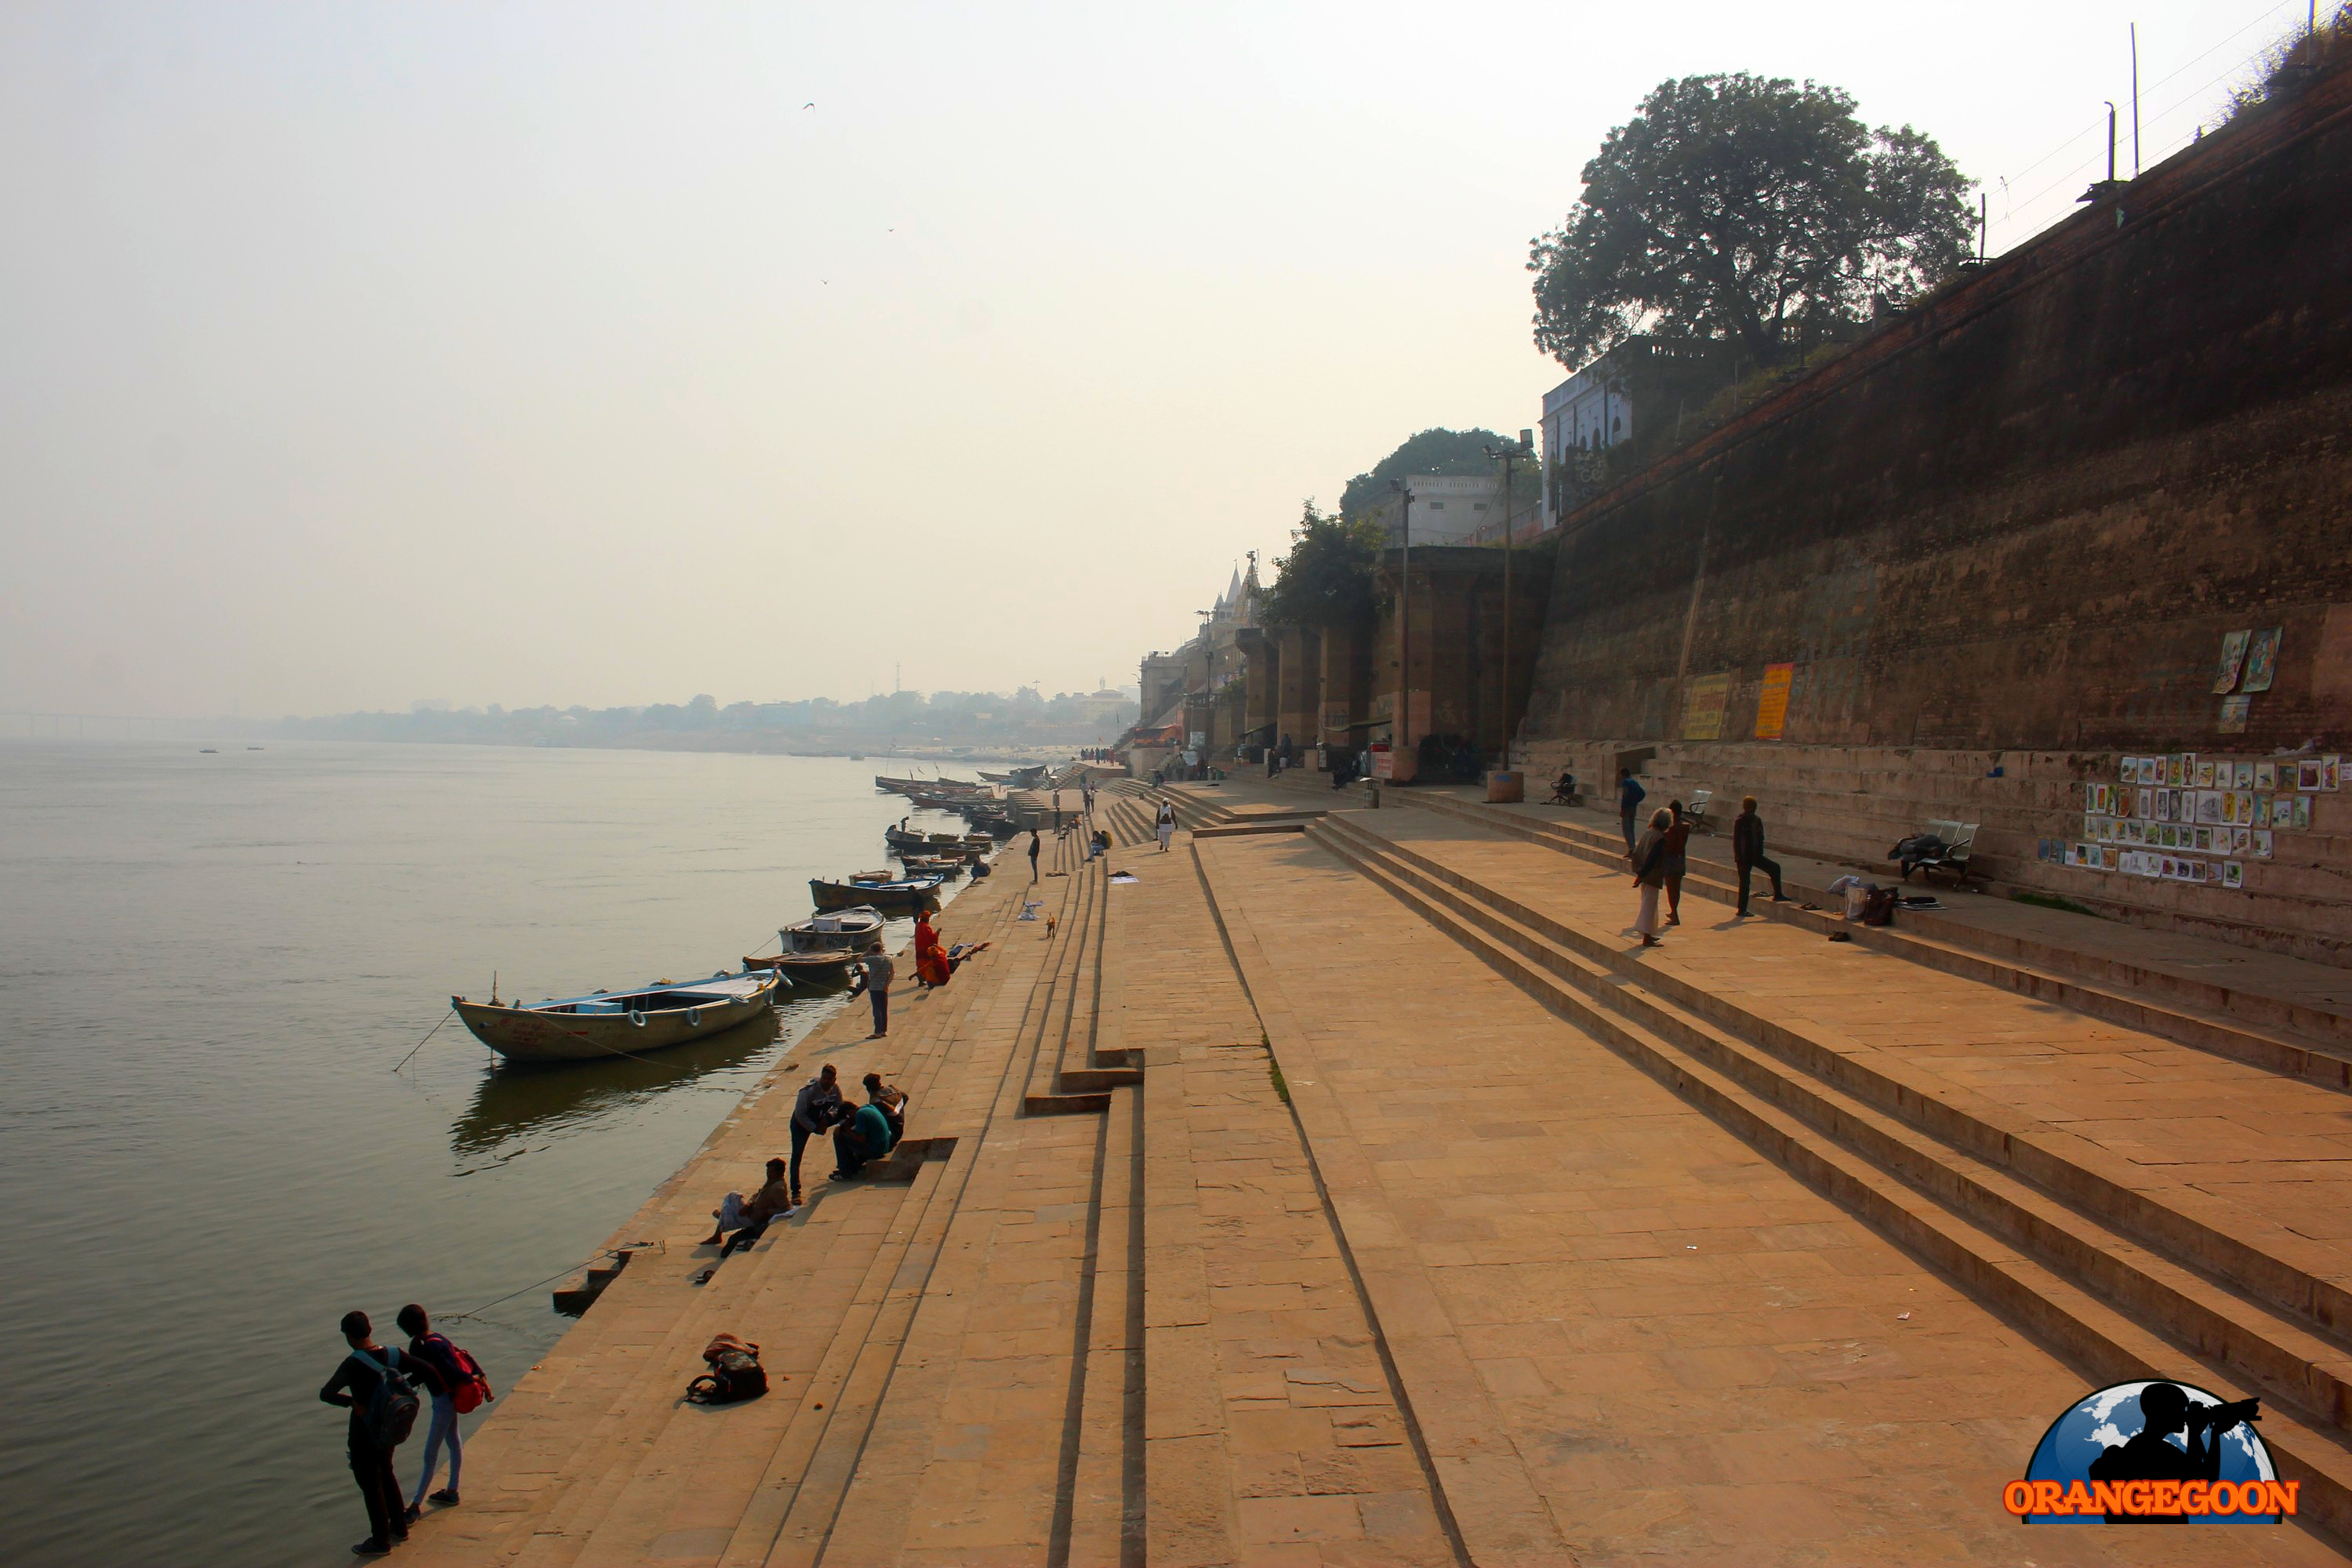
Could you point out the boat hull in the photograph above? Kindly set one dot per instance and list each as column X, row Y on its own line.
column 526, row 1035
column 849, row 895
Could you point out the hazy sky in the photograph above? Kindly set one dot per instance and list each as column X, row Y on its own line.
column 354, row 353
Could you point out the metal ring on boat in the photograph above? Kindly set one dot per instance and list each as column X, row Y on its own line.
column 693, row 1017
column 638, row 1019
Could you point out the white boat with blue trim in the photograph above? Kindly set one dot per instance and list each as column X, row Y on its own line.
column 619, row 1023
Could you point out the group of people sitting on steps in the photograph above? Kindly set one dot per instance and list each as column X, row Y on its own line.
column 866, row 1133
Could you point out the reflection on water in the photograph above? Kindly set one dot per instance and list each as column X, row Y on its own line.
column 301, row 915
column 517, row 1100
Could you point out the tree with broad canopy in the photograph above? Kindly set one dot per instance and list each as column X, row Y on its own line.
column 1327, row 580
column 1749, row 210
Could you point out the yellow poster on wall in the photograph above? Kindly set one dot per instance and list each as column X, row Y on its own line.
column 1703, row 703
column 1772, row 703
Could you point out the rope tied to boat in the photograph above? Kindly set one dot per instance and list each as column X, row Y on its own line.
column 420, row 1045
column 473, row 1312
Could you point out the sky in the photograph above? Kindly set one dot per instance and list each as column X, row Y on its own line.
column 358, row 354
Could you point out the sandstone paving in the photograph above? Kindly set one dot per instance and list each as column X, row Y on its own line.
column 2268, row 1153
column 2326, row 987
column 1688, row 1355
column 1272, row 1421
column 592, row 1456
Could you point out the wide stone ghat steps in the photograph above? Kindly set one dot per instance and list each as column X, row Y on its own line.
column 2281, row 1035
column 1853, row 803
column 2125, row 1276
column 860, row 1306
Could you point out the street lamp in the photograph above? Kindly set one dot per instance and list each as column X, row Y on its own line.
column 1507, row 455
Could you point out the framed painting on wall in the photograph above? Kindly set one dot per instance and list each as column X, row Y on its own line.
column 2233, row 658
column 2262, row 659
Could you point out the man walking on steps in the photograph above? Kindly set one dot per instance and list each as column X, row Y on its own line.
column 1629, row 795
column 874, row 972
column 1748, row 854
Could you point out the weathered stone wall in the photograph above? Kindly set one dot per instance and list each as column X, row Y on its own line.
column 2013, row 527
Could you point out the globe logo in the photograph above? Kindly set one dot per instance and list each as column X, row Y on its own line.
column 2153, row 1450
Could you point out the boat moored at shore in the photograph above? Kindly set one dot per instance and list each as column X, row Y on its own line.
column 877, row 890
column 822, row 949
column 618, row 1023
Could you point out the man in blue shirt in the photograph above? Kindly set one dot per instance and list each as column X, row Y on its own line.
column 865, row 1136
column 1629, row 795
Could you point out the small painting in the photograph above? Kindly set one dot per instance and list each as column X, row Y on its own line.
column 2301, row 822
column 2234, row 875
column 2204, row 779
column 2108, row 858
column 2235, row 711
column 2306, row 774
column 2282, row 811
column 2261, row 843
column 2172, row 771
column 2266, row 776
column 2233, row 658
column 2208, row 804
column 2261, row 660
column 2246, row 771
column 2331, row 770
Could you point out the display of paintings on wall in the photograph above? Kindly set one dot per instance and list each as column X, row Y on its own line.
column 2262, row 659
column 2165, row 812
column 2233, row 658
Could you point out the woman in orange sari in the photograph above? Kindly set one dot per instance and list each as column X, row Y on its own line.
column 932, row 967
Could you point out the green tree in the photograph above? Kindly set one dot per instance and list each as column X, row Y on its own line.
column 1747, row 210
column 1327, row 580
column 1438, row 451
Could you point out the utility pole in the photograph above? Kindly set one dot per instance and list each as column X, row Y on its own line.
column 2134, row 53
column 1507, row 455
column 1405, row 619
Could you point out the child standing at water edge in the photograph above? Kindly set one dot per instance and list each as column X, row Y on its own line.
column 435, row 1351
column 354, row 1385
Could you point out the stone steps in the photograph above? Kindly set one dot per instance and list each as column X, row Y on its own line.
column 780, row 1475
column 1850, row 803
column 1107, row 1521
column 1921, row 1173
column 1071, row 1080
column 2283, row 1038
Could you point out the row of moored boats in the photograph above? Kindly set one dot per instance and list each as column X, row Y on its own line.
column 817, row 954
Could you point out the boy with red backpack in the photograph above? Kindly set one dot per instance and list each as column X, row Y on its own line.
column 462, row 1388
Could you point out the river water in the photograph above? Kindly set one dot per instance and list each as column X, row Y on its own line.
column 210, row 964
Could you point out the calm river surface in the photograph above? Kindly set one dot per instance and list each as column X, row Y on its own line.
column 209, row 966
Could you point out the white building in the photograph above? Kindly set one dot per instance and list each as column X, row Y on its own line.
column 1588, row 412
column 1450, row 509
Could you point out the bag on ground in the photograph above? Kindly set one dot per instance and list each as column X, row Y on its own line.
column 735, row 1373
column 391, row 1414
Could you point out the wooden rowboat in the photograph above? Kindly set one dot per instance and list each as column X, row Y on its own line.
column 618, row 1023
column 880, row 890
column 821, row 949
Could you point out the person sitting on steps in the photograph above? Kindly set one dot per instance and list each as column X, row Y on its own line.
column 748, row 1222
column 891, row 1101
column 865, row 1136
